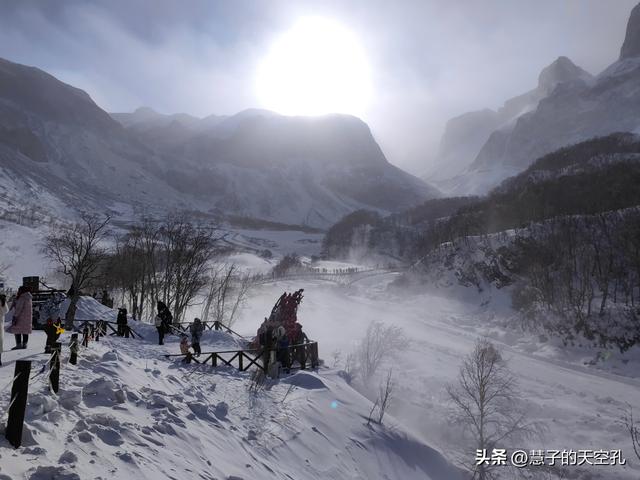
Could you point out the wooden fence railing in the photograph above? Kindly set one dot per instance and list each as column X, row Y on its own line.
column 183, row 327
column 301, row 356
column 102, row 327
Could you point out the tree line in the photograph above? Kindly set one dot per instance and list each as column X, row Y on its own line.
column 174, row 260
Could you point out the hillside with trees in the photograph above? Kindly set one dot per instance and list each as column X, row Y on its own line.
column 562, row 236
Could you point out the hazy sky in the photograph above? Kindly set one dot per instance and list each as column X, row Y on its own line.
column 429, row 59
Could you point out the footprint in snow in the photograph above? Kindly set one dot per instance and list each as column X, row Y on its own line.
column 320, row 433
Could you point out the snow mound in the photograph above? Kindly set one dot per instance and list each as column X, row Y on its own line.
column 305, row 380
column 88, row 308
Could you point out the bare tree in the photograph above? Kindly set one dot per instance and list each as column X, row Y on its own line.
column 3, row 269
column 290, row 263
column 485, row 403
column 385, row 395
column 186, row 250
column 79, row 253
column 227, row 293
column 379, row 343
column 166, row 260
column 125, row 271
column 349, row 372
column 631, row 425
column 372, row 411
column 337, row 358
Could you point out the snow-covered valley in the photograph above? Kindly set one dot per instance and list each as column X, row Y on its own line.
column 126, row 410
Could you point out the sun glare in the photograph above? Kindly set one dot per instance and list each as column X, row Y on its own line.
column 315, row 68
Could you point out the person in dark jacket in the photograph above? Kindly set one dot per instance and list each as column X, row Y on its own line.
column 4, row 309
column 52, row 330
column 282, row 349
column 196, row 329
column 123, row 329
column 160, row 328
column 165, row 315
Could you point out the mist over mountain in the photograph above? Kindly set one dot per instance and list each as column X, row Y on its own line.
column 480, row 149
column 57, row 145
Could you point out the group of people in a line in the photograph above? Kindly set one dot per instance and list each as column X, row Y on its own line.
column 20, row 316
column 272, row 335
column 164, row 325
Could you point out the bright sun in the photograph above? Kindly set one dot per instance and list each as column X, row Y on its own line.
column 315, row 68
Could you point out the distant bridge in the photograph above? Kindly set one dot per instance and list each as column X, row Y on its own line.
column 344, row 276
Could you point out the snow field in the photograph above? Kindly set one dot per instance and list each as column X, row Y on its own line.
column 126, row 412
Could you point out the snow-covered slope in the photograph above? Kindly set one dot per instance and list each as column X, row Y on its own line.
column 569, row 106
column 58, row 146
column 290, row 169
column 127, row 412
column 466, row 134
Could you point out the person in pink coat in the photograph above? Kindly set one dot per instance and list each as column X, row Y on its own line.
column 22, row 318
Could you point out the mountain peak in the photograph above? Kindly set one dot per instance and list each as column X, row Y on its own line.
column 631, row 45
column 145, row 111
column 561, row 70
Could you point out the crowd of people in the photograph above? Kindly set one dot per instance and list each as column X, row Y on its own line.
column 277, row 333
column 281, row 330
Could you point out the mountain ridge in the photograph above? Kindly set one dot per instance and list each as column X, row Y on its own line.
column 254, row 164
column 572, row 106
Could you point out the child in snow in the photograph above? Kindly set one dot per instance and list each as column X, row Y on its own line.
column 184, row 349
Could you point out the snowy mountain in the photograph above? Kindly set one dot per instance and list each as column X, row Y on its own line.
column 60, row 151
column 465, row 135
column 568, row 106
column 256, row 163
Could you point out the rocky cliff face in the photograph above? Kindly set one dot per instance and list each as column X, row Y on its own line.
column 466, row 135
column 631, row 46
column 567, row 106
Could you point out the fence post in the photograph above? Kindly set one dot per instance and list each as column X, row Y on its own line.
column 73, row 347
column 54, row 367
column 18, row 405
column 265, row 359
column 240, row 355
column 303, row 356
column 85, row 336
column 314, row 359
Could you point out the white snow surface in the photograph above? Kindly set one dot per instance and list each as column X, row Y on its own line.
column 126, row 412
column 577, row 393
